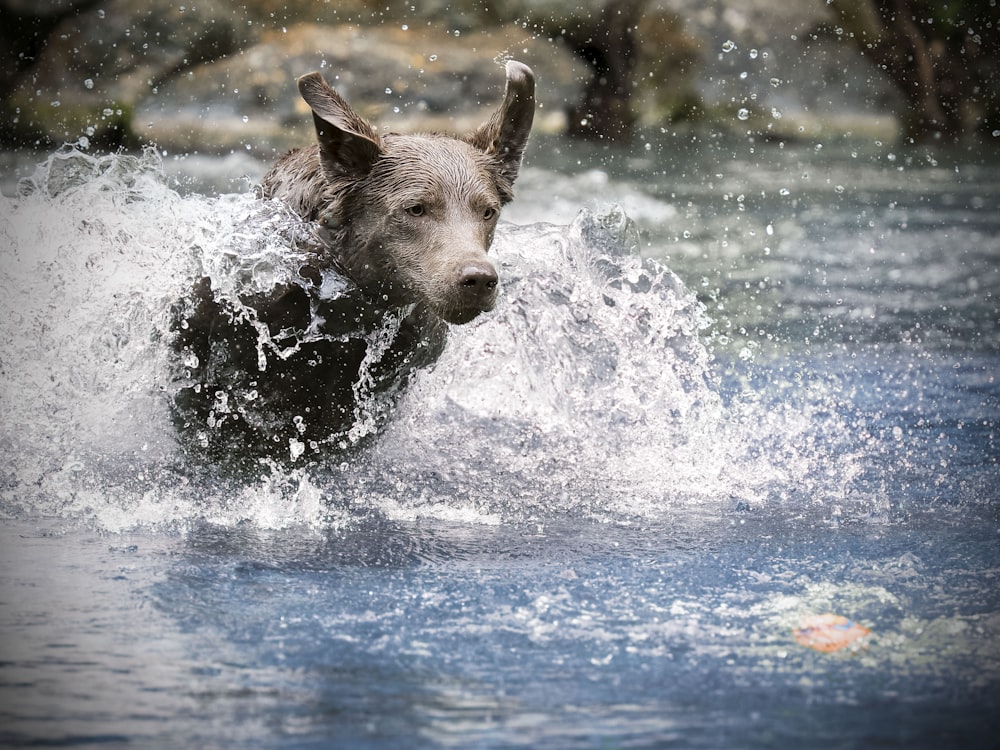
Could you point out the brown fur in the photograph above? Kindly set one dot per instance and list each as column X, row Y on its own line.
column 409, row 219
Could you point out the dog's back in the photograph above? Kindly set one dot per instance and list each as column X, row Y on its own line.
column 408, row 220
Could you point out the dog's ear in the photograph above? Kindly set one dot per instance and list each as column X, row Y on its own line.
column 505, row 134
column 348, row 144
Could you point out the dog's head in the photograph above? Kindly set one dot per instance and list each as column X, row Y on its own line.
column 412, row 216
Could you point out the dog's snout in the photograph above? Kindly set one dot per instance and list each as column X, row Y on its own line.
column 478, row 278
column 475, row 291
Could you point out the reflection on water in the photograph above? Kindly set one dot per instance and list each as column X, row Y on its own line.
column 596, row 521
column 500, row 636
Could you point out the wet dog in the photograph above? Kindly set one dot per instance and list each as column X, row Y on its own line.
column 405, row 223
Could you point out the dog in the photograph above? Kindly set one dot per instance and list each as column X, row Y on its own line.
column 402, row 224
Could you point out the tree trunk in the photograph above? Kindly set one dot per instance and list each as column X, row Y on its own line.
column 943, row 65
column 610, row 49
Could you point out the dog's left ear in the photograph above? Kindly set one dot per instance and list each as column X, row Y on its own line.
column 348, row 144
column 505, row 134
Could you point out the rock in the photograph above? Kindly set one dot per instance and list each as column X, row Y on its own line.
column 206, row 77
column 401, row 80
column 758, row 66
column 102, row 59
column 209, row 76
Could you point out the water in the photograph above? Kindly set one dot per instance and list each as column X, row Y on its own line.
column 594, row 523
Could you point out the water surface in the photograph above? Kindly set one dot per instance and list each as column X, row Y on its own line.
column 594, row 523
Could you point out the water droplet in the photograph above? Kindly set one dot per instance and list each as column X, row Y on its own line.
column 388, row 90
column 743, row 76
column 753, row 54
column 839, row 189
column 770, row 228
column 743, row 114
column 784, row 191
column 728, row 46
column 405, row 27
column 246, row 119
column 775, row 82
column 100, row 13
column 88, row 83
column 432, row 58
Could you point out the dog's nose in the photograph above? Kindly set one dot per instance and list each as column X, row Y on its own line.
column 474, row 292
column 478, row 279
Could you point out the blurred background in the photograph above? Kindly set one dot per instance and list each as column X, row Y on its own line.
column 211, row 77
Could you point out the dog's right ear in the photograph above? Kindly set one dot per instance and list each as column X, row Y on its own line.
column 505, row 134
column 348, row 144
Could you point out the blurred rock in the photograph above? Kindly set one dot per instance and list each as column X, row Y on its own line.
column 210, row 76
column 759, row 67
column 213, row 77
column 402, row 80
column 104, row 57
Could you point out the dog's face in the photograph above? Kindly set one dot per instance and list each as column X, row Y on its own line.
column 413, row 216
column 421, row 223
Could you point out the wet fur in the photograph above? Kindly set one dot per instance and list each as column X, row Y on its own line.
column 409, row 219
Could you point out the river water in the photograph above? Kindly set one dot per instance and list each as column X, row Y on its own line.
column 730, row 384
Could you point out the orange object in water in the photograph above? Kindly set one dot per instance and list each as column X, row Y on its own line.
column 829, row 633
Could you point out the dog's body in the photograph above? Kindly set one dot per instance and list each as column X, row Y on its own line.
column 409, row 220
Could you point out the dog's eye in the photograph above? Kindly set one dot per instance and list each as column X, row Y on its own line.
column 416, row 209
column 489, row 213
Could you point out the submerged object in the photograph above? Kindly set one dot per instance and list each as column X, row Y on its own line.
column 829, row 633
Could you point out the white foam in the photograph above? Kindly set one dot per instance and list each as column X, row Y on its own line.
column 587, row 391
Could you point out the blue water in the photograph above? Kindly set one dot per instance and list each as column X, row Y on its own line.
column 595, row 523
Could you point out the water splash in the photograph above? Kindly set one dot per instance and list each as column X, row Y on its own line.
column 591, row 391
column 588, row 391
